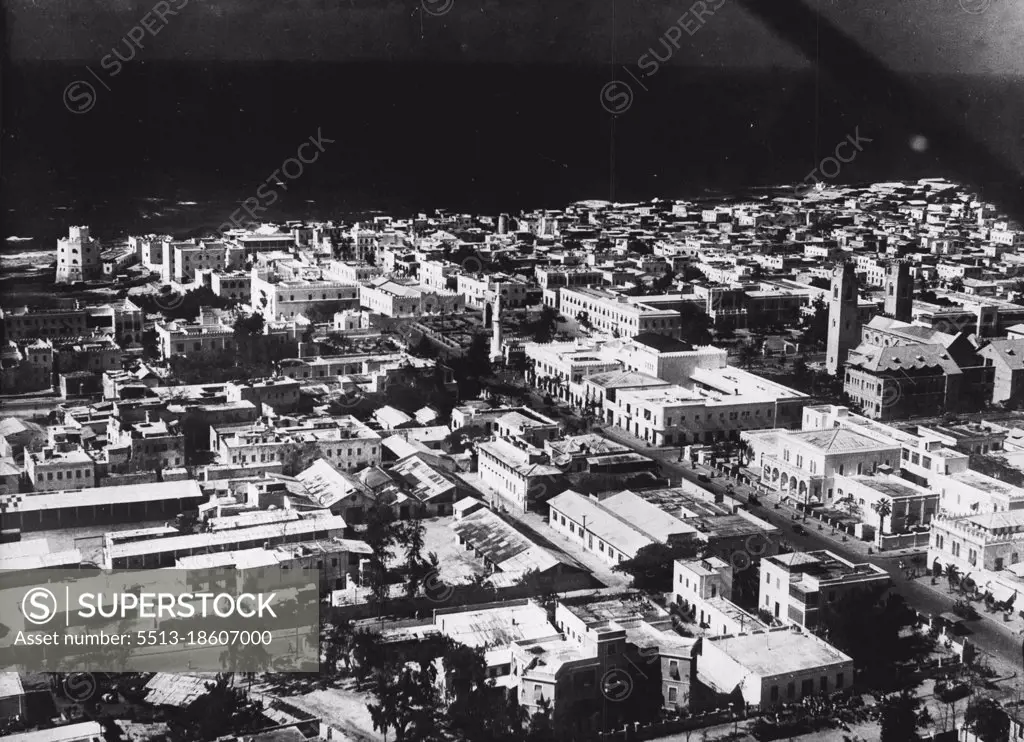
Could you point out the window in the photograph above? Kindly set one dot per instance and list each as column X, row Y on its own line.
column 774, row 693
column 791, row 690
column 839, row 680
column 672, row 695
column 673, row 669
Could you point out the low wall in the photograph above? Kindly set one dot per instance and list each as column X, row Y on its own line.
column 903, row 541
column 448, row 596
column 639, row 732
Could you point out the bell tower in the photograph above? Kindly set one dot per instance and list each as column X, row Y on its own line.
column 899, row 291
column 843, row 321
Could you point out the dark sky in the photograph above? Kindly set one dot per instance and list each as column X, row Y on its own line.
column 909, row 35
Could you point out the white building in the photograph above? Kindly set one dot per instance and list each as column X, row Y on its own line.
column 705, row 587
column 715, row 404
column 616, row 528
column 481, row 289
column 988, row 542
column 616, row 314
column 182, row 261
column 61, row 468
column 398, row 299
column 516, row 471
column 794, row 587
column 769, row 668
column 286, row 299
column 344, row 441
column 803, row 464
column 78, row 257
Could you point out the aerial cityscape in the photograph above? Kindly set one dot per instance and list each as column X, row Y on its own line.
column 664, row 465
column 436, row 372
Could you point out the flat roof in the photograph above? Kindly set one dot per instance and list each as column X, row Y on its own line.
column 54, row 559
column 232, row 536
column 100, row 496
column 780, row 652
column 892, row 486
column 989, row 484
column 495, row 626
column 612, row 609
column 86, row 730
column 662, row 343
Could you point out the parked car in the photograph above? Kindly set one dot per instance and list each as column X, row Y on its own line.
column 703, row 478
column 799, row 529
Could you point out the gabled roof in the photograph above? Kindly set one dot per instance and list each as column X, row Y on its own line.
column 880, row 359
column 1009, row 352
column 501, row 544
column 326, row 485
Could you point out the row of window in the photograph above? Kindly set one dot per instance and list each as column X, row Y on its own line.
column 558, row 518
column 79, row 474
column 807, row 687
column 276, row 456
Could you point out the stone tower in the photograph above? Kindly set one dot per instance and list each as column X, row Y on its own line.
column 843, row 322
column 899, row 291
column 78, row 257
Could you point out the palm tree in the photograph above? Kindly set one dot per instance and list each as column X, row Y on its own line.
column 953, row 575
column 884, row 509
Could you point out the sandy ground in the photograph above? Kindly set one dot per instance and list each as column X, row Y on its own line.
column 457, row 566
column 344, row 710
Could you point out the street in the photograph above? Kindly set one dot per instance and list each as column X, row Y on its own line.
column 989, row 636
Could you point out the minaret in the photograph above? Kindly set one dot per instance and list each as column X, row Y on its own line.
column 899, row 291
column 843, row 322
column 496, row 328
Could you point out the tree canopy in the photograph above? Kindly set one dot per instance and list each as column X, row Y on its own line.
column 899, row 717
column 223, row 710
column 867, row 625
column 816, row 327
column 987, row 719
column 695, row 324
column 651, row 568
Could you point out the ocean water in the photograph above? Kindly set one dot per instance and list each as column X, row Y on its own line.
column 177, row 147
